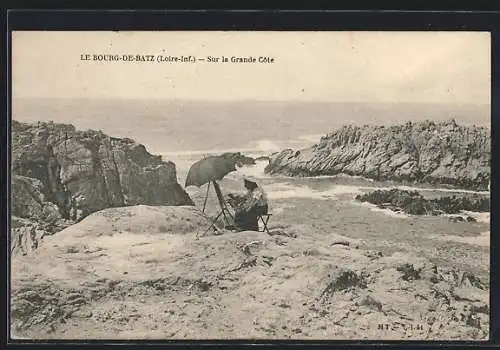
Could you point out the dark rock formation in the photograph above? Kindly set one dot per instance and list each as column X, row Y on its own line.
column 412, row 202
column 239, row 159
column 424, row 152
column 59, row 173
column 26, row 234
column 29, row 200
column 33, row 216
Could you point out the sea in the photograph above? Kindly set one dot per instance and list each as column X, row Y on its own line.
column 186, row 131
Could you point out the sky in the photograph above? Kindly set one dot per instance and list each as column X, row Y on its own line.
column 426, row 67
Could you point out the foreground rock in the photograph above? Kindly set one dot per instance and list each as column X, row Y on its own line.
column 424, row 152
column 33, row 215
column 139, row 272
column 60, row 173
column 26, row 234
column 412, row 202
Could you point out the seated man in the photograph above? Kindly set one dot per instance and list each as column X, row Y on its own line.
column 253, row 204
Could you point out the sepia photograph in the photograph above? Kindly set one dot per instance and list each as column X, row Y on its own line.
column 314, row 185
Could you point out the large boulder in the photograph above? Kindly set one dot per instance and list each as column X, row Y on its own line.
column 61, row 175
column 33, row 216
column 29, row 200
column 424, row 152
column 85, row 171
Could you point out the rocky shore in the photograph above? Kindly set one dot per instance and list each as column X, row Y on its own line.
column 60, row 175
column 125, row 254
column 426, row 152
column 139, row 273
column 414, row 203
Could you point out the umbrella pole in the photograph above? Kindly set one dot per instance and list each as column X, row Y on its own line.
column 221, row 202
column 206, row 197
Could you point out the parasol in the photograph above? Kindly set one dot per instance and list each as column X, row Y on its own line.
column 209, row 169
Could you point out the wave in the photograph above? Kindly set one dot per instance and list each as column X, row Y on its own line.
column 387, row 212
column 281, row 187
column 437, row 189
column 282, row 190
column 271, row 146
column 339, row 176
column 256, row 171
column 263, row 147
column 268, row 146
column 479, row 216
column 382, row 187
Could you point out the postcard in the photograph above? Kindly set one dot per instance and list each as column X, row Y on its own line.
column 316, row 185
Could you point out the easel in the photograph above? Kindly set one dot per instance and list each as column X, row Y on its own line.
column 224, row 210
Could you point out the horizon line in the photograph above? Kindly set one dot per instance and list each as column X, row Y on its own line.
column 369, row 123
column 248, row 101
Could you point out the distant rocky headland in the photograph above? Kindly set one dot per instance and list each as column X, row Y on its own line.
column 427, row 152
column 414, row 203
column 60, row 175
column 242, row 160
column 239, row 159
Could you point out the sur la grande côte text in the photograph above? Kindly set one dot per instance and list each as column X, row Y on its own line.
column 174, row 59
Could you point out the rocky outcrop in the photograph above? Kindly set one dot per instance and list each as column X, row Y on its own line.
column 423, row 152
column 26, row 234
column 412, row 202
column 59, row 173
column 29, row 200
column 239, row 158
column 33, row 215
